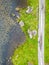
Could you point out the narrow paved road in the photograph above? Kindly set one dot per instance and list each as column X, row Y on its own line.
column 41, row 32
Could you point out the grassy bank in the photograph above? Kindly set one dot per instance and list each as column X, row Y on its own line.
column 28, row 52
column 47, row 33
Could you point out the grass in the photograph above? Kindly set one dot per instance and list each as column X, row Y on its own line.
column 28, row 52
column 47, row 33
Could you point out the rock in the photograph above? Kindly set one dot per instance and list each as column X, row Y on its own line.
column 34, row 32
column 28, row 31
column 10, row 58
column 29, row 10
column 17, row 8
column 21, row 23
column 30, row 34
column 17, row 14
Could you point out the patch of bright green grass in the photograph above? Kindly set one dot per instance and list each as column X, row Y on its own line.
column 28, row 52
column 47, row 33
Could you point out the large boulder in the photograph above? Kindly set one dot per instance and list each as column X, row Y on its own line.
column 29, row 10
column 32, row 33
column 21, row 23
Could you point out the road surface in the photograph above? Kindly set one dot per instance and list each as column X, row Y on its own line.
column 41, row 32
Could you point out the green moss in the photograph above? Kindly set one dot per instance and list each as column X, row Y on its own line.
column 28, row 52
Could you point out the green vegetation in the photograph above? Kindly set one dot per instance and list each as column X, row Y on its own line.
column 47, row 33
column 28, row 52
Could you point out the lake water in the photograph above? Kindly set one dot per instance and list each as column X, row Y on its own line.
column 9, row 31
